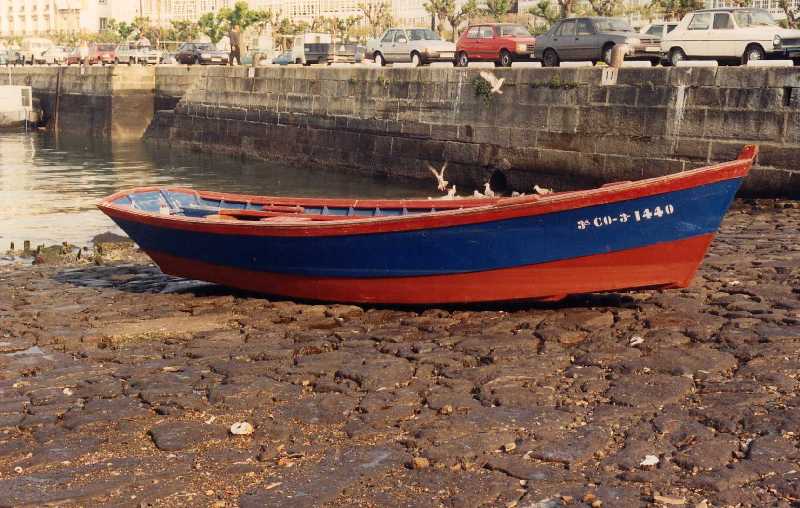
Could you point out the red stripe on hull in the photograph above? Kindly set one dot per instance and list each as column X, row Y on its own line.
column 662, row 265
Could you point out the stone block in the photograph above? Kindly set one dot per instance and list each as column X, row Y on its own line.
column 689, row 122
column 691, row 148
column 707, row 96
column 643, row 76
column 792, row 134
column 464, row 153
column 655, row 96
column 780, row 77
column 744, row 125
column 416, row 129
column 444, row 131
column 565, row 119
column 771, row 182
column 756, row 98
column 692, row 76
column 741, row 77
column 550, row 140
column 622, row 95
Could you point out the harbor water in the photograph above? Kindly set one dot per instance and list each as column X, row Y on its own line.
column 49, row 188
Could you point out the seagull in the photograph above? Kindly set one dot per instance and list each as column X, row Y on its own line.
column 451, row 193
column 442, row 183
column 477, row 194
column 493, row 81
column 516, row 194
column 541, row 190
column 487, row 190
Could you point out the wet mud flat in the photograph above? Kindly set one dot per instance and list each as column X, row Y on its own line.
column 119, row 386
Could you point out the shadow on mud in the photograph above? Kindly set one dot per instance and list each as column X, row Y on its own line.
column 138, row 278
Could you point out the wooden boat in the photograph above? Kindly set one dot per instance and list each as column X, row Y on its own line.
column 650, row 233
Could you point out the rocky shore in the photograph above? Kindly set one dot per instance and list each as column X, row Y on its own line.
column 120, row 386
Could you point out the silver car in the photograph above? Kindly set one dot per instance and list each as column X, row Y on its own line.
column 419, row 46
column 593, row 39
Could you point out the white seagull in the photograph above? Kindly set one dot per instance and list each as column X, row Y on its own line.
column 451, row 193
column 541, row 190
column 442, row 183
column 493, row 81
column 487, row 190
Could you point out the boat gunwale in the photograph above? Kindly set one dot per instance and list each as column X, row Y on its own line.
column 473, row 211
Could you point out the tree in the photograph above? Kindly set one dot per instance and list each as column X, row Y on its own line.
column 497, row 8
column 606, row 7
column 792, row 14
column 378, row 16
column 263, row 18
column 184, row 30
column 677, row 9
column 213, row 26
column 468, row 10
column 440, row 9
column 545, row 10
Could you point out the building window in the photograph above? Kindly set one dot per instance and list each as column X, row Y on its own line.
column 103, row 24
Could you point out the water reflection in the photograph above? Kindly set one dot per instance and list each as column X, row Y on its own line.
column 49, row 188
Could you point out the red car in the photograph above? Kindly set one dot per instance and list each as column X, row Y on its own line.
column 501, row 43
column 102, row 53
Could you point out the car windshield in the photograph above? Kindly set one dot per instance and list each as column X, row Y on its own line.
column 513, row 31
column 757, row 17
column 105, row 47
column 612, row 25
column 419, row 34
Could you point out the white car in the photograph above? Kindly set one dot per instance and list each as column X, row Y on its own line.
column 726, row 35
column 419, row 46
column 659, row 30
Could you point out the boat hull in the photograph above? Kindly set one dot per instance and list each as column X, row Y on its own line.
column 669, row 265
column 651, row 233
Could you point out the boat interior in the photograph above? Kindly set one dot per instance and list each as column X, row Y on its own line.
column 217, row 206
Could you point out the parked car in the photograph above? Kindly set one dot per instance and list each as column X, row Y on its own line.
column 593, row 39
column 55, row 55
column 102, row 54
column 299, row 45
column 730, row 35
column 129, row 53
column 14, row 57
column 262, row 54
column 32, row 48
column 284, row 58
column 202, row 53
column 658, row 29
column 329, row 52
column 169, row 57
column 419, row 46
column 73, row 57
column 501, row 43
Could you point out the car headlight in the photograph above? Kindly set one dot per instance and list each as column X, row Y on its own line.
column 522, row 47
column 633, row 41
column 777, row 41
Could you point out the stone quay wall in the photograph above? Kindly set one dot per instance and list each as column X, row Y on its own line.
column 552, row 127
column 559, row 127
column 113, row 102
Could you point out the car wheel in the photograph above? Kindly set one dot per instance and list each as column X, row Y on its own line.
column 462, row 60
column 676, row 55
column 550, row 58
column 655, row 61
column 416, row 61
column 380, row 60
column 753, row 52
column 505, row 59
column 607, row 51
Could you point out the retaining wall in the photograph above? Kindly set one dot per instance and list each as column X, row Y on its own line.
column 114, row 101
column 559, row 127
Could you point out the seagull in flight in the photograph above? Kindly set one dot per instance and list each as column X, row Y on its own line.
column 441, row 182
column 493, row 81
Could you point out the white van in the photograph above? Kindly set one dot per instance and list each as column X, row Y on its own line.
column 299, row 43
